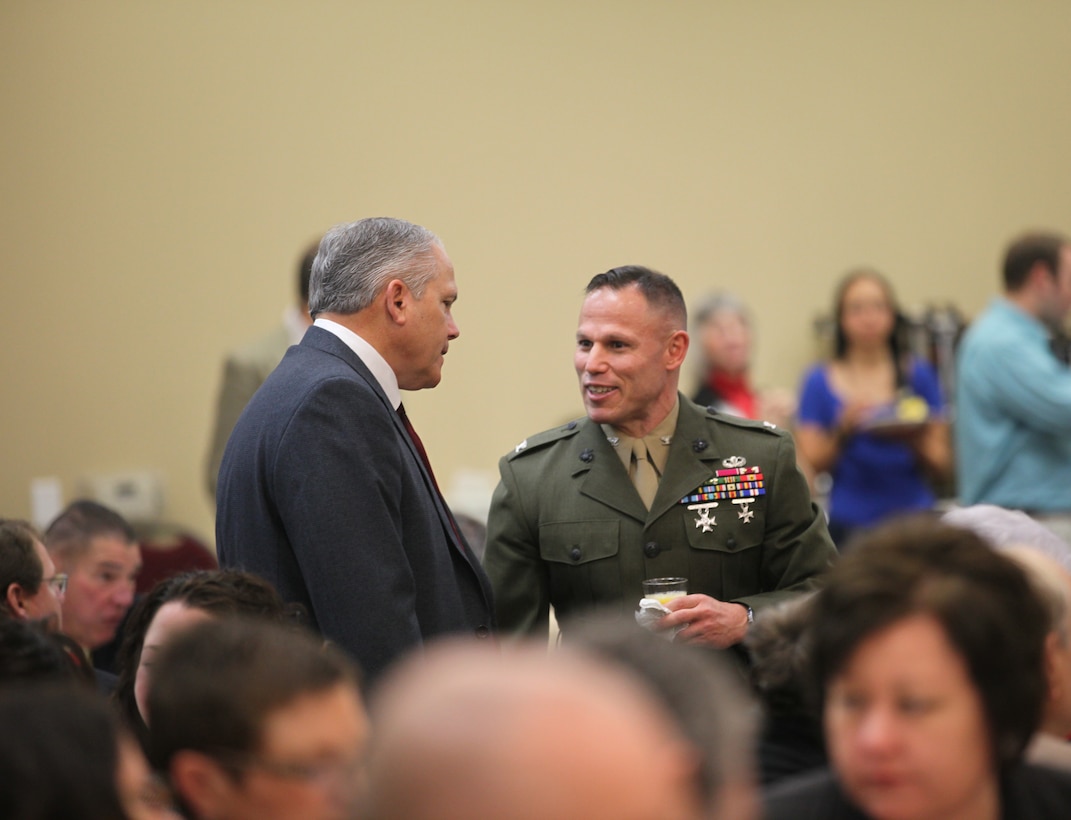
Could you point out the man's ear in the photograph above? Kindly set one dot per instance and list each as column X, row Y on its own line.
column 396, row 297
column 13, row 597
column 1040, row 274
column 676, row 350
column 201, row 783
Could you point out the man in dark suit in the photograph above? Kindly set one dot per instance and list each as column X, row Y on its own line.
column 325, row 489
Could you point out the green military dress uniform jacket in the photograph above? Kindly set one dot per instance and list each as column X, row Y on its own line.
column 567, row 528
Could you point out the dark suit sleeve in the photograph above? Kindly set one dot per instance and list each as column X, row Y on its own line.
column 512, row 561
column 796, row 548
column 338, row 481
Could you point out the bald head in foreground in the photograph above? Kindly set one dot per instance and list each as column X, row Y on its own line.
column 523, row 735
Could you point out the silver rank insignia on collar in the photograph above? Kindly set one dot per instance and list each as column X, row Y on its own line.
column 614, row 440
column 733, row 461
column 520, row 448
column 705, row 519
column 666, row 440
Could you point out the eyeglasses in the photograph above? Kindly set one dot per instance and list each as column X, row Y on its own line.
column 58, row 583
column 321, row 773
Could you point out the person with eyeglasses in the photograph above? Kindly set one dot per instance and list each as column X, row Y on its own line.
column 32, row 589
column 254, row 720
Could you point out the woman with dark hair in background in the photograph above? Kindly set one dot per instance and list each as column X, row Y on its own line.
column 927, row 654
column 872, row 417
column 178, row 602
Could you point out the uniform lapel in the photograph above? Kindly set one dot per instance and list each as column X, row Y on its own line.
column 602, row 476
column 692, row 459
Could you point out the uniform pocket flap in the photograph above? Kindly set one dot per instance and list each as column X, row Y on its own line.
column 579, row 542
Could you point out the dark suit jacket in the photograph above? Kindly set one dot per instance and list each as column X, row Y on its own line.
column 322, row 493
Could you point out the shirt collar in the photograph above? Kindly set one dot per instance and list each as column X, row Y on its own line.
column 367, row 354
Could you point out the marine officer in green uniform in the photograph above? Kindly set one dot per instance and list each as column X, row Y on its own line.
column 649, row 485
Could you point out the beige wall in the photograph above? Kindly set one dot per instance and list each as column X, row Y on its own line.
column 164, row 163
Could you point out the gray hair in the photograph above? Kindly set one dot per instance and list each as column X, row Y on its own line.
column 356, row 260
column 720, row 302
column 1050, row 586
column 682, row 678
column 1003, row 528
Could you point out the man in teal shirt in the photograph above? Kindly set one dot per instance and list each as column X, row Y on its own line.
column 1013, row 396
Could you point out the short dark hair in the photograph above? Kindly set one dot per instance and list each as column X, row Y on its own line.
column 1028, row 250
column 305, row 271
column 19, row 562
column 984, row 601
column 660, row 291
column 71, row 531
column 65, row 757
column 220, row 592
column 215, row 684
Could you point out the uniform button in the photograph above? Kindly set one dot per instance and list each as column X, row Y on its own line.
column 730, row 542
column 574, row 553
column 482, row 632
column 651, row 549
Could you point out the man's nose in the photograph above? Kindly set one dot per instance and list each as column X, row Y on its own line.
column 124, row 594
column 595, row 360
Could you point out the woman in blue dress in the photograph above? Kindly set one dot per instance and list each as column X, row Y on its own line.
column 873, row 417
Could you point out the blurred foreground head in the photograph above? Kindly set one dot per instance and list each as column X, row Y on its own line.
column 468, row 732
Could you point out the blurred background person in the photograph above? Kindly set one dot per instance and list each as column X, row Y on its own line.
column 97, row 550
column 523, row 735
column 252, row 720
column 1013, row 395
column 872, row 417
column 32, row 589
column 173, row 605
column 791, row 740
column 72, row 759
column 928, row 658
column 1047, row 560
column 246, row 368
column 723, row 328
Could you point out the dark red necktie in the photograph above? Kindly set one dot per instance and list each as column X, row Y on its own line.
column 427, row 464
column 419, row 446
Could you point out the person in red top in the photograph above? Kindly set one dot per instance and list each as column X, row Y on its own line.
column 723, row 327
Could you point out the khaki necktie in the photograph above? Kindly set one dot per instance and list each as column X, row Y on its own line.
column 644, row 476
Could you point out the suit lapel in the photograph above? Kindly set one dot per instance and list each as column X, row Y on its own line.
column 328, row 342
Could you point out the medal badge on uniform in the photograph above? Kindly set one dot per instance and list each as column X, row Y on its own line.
column 736, row 483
